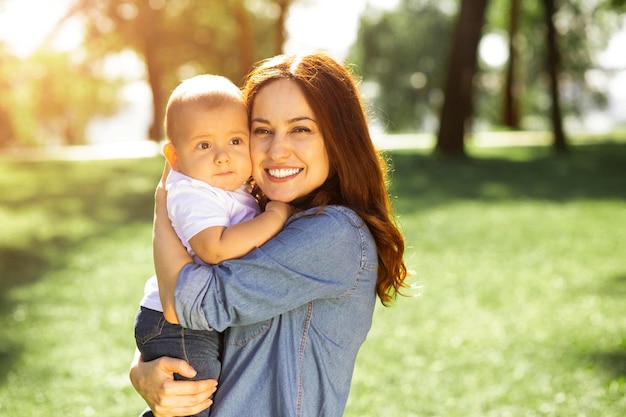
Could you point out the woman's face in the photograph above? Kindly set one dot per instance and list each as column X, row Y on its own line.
column 289, row 159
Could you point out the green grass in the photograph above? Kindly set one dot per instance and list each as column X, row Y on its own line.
column 74, row 254
column 518, row 308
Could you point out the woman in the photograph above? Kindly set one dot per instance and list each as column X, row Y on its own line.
column 296, row 310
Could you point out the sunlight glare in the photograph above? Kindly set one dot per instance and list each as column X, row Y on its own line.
column 327, row 25
column 613, row 56
column 25, row 24
column 493, row 50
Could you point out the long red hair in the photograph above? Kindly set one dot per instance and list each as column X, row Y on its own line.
column 357, row 177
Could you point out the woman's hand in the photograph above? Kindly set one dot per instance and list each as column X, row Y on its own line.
column 167, row 397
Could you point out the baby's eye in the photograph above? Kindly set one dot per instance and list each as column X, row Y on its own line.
column 236, row 141
column 204, row 145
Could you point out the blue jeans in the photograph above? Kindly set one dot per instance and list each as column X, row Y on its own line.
column 156, row 337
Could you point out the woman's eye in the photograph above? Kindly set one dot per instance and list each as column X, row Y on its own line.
column 301, row 129
column 260, row 131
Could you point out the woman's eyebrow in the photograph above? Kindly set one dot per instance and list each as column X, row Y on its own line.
column 293, row 120
column 299, row 119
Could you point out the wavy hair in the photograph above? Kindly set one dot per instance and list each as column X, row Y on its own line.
column 357, row 177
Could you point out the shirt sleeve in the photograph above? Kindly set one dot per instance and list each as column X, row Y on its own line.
column 192, row 209
column 314, row 257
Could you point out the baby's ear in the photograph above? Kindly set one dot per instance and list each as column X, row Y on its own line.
column 171, row 155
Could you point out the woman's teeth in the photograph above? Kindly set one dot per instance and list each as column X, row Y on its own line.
column 284, row 172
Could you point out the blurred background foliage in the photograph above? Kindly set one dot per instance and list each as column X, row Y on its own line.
column 402, row 55
column 174, row 39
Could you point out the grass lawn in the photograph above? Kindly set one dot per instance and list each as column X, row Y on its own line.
column 519, row 305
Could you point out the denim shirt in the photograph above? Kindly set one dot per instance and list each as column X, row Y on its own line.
column 295, row 312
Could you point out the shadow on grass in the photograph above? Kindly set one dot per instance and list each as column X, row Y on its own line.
column 18, row 267
column 82, row 189
column 615, row 286
column 57, row 207
column 9, row 353
column 587, row 172
column 80, row 201
column 612, row 363
column 25, row 269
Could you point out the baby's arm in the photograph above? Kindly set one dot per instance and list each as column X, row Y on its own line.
column 216, row 244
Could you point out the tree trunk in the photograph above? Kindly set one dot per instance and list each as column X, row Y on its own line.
column 457, row 106
column 560, row 143
column 511, row 116
column 7, row 132
column 246, row 42
column 150, row 21
column 280, row 26
column 155, row 132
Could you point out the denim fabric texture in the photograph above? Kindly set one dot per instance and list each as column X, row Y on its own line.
column 294, row 314
column 155, row 337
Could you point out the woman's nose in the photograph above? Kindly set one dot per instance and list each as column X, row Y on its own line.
column 279, row 147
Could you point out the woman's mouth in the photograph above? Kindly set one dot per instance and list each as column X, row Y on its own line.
column 283, row 172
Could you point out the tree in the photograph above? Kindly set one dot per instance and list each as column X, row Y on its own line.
column 182, row 38
column 560, row 143
column 401, row 58
column 457, row 107
column 7, row 133
column 584, row 28
column 279, row 27
column 50, row 97
column 396, row 54
column 511, row 112
column 7, row 128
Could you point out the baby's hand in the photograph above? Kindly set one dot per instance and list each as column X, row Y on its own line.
column 283, row 210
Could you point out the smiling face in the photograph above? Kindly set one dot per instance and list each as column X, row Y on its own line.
column 289, row 158
column 213, row 145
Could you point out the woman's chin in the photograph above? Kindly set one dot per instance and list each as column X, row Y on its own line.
column 284, row 196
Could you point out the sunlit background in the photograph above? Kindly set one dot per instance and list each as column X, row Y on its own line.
column 328, row 25
column 520, row 274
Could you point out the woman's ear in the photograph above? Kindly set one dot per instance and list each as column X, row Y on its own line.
column 171, row 155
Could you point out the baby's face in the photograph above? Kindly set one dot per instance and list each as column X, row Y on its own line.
column 215, row 146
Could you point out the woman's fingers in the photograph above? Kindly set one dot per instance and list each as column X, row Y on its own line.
column 184, row 398
column 167, row 397
column 170, row 366
column 174, row 401
column 182, row 368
